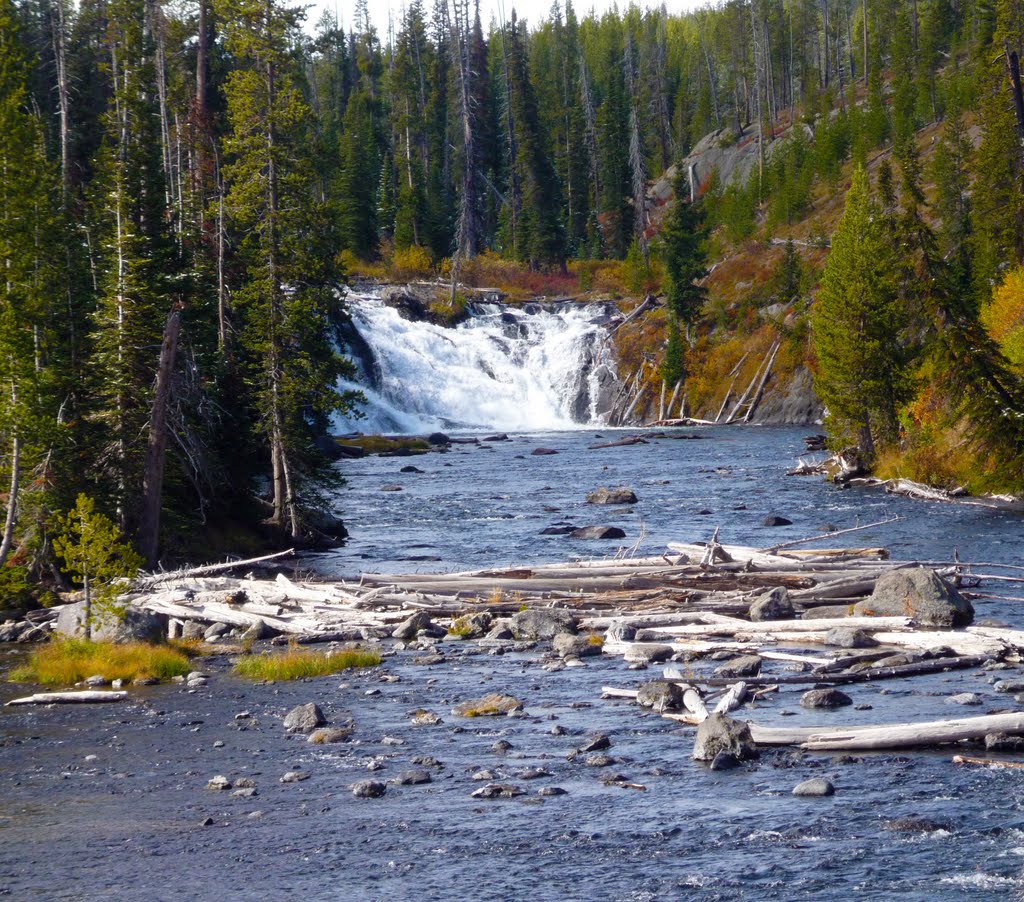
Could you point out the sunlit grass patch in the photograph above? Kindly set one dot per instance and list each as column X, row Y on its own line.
column 296, row 664
column 67, row 661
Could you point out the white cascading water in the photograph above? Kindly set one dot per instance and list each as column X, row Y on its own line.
column 503, row 369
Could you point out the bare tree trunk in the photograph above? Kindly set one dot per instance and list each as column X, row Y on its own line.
column 864, row 12
column 468, row 230
column 1013, row 70
column 636, row 155
column 12, row 501
column 591, row 129
column 514, row 198
column 824, row 30
column 156, row 451
column 757, row 104
column 711, row 76
column 63, row 98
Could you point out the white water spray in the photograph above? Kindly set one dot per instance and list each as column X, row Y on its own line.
column 503, row 369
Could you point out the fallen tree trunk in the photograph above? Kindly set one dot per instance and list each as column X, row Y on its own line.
column 88, row 697
column 889, row 736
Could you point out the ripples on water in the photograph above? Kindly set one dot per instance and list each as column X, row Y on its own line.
column 482, row 506
column 127, row 823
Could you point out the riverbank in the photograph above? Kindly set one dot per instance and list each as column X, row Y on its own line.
column 91, row 795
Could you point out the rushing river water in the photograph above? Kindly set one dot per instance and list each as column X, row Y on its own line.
column 485, row 505
column 127, row 822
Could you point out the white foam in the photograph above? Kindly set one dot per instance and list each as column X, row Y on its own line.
column 475, row 376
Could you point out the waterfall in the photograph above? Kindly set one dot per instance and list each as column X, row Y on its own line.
column 534, row 368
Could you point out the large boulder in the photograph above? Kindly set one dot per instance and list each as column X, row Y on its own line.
column 409, row 627
column 919, row 593
column 661, row 695
column 566, row 645
column 541, row 623
column 620, row 495
column 304, row 718
column 773, row 605
column 720, row 733
column 133, row 625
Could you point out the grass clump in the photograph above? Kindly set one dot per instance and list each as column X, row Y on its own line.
column 297, row 664
column 67, row 661
column 384, row 444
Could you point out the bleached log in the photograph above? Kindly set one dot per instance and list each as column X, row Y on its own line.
column 88, row 697
column 796, row 659
column 615, row 692
column 732, row 699
column 695, row 704
column 768, row 628
column 773, row 549
column 987, row 762
column 157, row 578
column 890, row 736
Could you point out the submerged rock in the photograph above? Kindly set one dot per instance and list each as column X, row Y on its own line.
column 498, row 791
column 330, row 735
column 414, row 777
column 825, row 698
column 720, row 733
column 919, row 593
column 598, row 532
column 725, row 761
column 964, row 698
column 775, row 520
column 492, row 705
column 816, row 786
column 369, row 789
column 620, row 495
column 295, row 776
column 914, row 824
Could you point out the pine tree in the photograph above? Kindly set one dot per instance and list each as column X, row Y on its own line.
column 139, row 260
column 540, row 237
column 29, row 256
column 683, row 238
column 288, row 287
column 856, row 326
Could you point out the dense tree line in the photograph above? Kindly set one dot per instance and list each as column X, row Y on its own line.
column 181, row 184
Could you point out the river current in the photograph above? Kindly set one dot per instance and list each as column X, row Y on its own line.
column 112, row 801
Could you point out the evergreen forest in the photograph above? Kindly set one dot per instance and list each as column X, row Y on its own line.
column 185, row 186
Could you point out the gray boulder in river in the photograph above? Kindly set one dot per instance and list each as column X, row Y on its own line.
column 603, row 495
column 720, row 733
column 919, row 593
column 542, row 623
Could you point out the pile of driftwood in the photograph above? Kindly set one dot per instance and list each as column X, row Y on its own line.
column 688, row 605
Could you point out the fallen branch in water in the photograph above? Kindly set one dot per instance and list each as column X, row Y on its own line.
column 89, row 697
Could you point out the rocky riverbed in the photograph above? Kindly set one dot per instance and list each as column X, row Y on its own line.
column 567, row 797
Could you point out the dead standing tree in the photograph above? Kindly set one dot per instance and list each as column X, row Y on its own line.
column 468, row 231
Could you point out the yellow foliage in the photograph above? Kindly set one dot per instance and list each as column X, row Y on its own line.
column 410, row 263
column 1003, row 316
